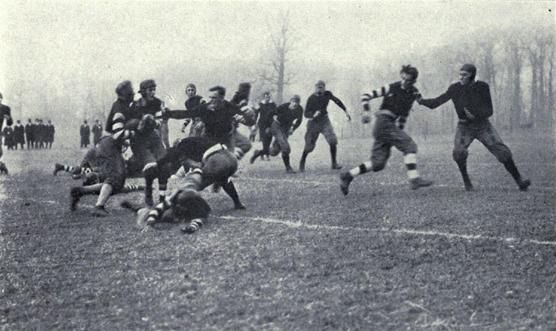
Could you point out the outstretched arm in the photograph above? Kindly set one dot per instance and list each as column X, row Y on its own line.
column 435, row 102
column 340, row 104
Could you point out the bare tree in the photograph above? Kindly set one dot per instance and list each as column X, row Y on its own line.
column 282, row 44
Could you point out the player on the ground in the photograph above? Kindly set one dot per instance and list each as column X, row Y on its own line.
column 388, row 131
column 319, row 123
column 263, row 116
column 473, row 106
column 5, row 115
column 104, row 173
column 285, row 120
column 213, row 164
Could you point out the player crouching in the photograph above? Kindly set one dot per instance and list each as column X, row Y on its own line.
column 103, row 172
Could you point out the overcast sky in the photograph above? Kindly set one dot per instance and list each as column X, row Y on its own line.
column 115, row 40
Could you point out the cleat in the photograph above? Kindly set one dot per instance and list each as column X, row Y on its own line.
column 419, row 182
column 290, row 171
column 189, row 229
column 254, row 157
column 99, row 211
column 301, row 166
column 346, row 179
column 3, row 168
column 336, row 166
column 75, row 195
column 239, row 206
column 469, row 187
column 57, row 168
column 524, row 184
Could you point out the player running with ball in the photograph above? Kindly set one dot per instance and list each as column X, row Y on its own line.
column 388, row 131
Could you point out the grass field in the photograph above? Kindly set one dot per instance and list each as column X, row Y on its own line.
column 302, row 256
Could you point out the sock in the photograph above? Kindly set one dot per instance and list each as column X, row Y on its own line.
column 70, row 169
column 132, row 187
column 512, row 169
column 462, row 165
column 410, row 161
column 361, row 169
column 333, row 151
column 196, row 224
column 230, row 189
column 286, row 159
column 161, row 192
column 155, row 213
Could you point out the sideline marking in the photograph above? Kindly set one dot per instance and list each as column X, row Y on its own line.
column 401, row 231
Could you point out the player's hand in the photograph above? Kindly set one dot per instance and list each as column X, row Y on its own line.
column 468, row 113
column 366, row 119
column 316, row 114
column 290, row 131
column 348, row 117
column 267, row 130
column 418, row 97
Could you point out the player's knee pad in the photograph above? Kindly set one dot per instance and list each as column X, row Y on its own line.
column 459, row 155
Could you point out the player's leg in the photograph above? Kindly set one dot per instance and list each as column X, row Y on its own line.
column 77, row 192
column 405, row 144
column 311, row 137
column 330, row 136
column 241, row 145
column 283, row 143
column 488, row 136
column 380, row 154
column 463, row 138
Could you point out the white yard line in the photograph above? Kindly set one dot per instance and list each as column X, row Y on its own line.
column 335, row 182
column 400, row 231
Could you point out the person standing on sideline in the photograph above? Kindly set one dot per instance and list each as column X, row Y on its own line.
column 85, row 132
column 29, row 133
column 19, row 132
column 97, row 132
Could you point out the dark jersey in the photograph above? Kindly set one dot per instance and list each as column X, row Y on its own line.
column 286, row 116
column 218, row 122
column 5, row 110
column 398, row 100
column 263, row 115
column 191, row 148
column 320, row 102
column 474, row 96
column 193, row 102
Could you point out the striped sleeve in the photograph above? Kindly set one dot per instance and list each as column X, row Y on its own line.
column 118, row 127
column 367, row 97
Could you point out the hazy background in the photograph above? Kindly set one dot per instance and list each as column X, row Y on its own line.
column 61, row 60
